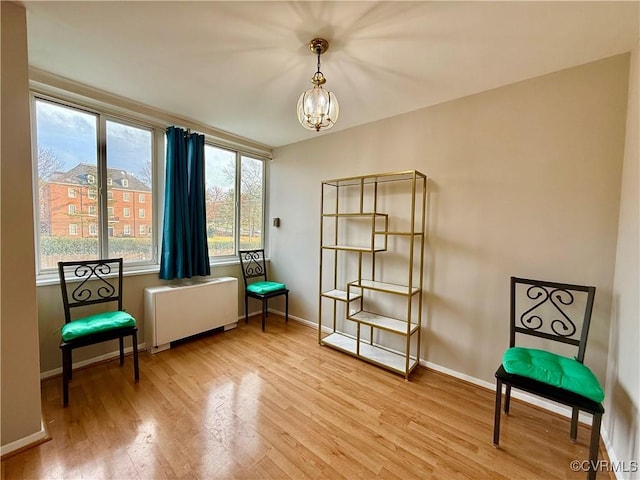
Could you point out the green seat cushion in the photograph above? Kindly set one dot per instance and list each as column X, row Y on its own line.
column 100, row 322
column 262, row 288
column 556, row 370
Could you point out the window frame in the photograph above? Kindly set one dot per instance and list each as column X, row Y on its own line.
column 238, row 155
column 57, row 90
column 99, row 181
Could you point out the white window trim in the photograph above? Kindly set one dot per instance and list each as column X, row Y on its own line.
column 66, row 92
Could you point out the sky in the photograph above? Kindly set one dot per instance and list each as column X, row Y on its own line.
column 71, row 135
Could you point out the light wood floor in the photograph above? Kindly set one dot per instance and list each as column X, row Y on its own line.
column 247, row 404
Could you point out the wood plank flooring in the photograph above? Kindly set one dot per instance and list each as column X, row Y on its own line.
column 250, row 405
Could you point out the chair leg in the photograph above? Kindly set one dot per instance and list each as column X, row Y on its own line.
column 136, row 369
column 246, row 308
column 66, row 375
column 594, row 446
column 266, row 307
column 121, row 341
column 286, row 307
column 496, row 418
column 264, row 311
column 574, row 424
column 507, row 399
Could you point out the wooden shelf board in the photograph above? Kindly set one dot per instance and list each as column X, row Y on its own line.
column 340, row 295
column 371, row 353
column 380, row 321
column 354, row 249
column 385, row 287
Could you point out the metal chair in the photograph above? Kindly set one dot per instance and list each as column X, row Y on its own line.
column 254, row 266
column 91, row 282
column 554, row 312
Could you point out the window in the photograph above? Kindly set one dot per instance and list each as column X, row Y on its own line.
column 251, row 199
column 104, row 164
column 67, row 149
column 229, row 226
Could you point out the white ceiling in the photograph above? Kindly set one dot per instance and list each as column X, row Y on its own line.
column 241, row 66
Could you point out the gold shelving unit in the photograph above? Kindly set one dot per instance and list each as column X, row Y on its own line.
column 372, row 234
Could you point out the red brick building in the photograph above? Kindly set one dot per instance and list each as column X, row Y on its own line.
column 69, row 204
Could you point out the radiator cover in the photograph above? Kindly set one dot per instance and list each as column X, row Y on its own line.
column 174, row 312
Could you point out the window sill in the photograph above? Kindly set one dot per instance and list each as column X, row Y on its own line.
column 51, row 278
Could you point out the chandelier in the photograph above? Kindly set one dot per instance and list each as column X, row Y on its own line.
column 317, row 108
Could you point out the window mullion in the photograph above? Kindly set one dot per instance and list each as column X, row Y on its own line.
column 238, row 200
column 103, row 237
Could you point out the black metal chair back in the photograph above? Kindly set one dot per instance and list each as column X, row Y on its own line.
column 554, row 311
column 253, row 264
column 90, row 282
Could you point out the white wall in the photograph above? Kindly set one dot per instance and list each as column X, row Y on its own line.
column 20, row 388
column 525, row 180
column 623, row 388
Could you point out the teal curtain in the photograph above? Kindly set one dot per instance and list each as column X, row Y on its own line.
column 197, row 206
column 184, row 235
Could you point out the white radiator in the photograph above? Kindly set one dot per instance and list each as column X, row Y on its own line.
column 174, row 312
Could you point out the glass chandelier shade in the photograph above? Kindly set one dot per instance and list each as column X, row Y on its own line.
column 318, row 108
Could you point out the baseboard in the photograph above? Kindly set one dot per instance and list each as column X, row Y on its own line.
column 91, row 361
column 25, row 442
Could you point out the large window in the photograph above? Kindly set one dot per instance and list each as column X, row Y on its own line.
column 233, row 223
column 95, row 183
column 88, row 222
